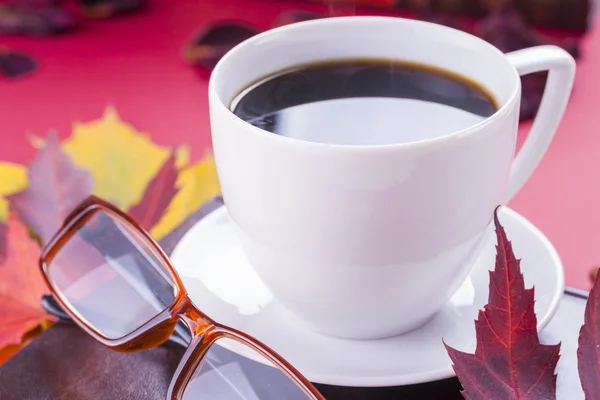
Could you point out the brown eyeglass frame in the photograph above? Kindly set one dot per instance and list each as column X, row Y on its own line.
column 155, row 332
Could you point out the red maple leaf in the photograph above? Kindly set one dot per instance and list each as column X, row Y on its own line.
column 588, row 353
column 56, row 186
column 509, row 362
column 158, row 195
column 21, row 285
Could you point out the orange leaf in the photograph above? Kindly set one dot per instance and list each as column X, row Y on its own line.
column 21, row 285
column 8, row 351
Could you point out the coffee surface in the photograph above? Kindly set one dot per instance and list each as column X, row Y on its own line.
column 364, row 102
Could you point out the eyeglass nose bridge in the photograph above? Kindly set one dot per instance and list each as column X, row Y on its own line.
column 198, row 323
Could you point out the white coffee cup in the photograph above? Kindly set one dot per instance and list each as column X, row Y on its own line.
column 370, row 241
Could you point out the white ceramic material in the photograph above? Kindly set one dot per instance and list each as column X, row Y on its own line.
column 222, row 283
column 343, row 235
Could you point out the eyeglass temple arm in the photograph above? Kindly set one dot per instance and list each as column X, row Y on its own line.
column 180, row 336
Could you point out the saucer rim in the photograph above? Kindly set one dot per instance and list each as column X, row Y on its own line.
column 440, row 373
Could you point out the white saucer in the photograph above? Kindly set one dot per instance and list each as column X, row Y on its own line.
column 222, row 283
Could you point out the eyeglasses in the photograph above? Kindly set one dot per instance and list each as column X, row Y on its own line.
column 117, row 284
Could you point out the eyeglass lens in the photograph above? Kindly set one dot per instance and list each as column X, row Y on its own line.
column 111, row 276
column 232, row 370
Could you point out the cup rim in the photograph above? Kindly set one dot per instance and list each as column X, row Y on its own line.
column 217, row 101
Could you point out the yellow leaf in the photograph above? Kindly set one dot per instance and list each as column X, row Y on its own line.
column 197, row 184
column 13, row 179
column 121, row 159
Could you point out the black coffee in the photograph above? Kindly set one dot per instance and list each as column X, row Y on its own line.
column 364, row 102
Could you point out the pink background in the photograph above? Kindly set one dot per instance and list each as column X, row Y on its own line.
column 134, row 64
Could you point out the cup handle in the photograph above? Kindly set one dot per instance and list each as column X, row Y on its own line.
column 561, row 68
